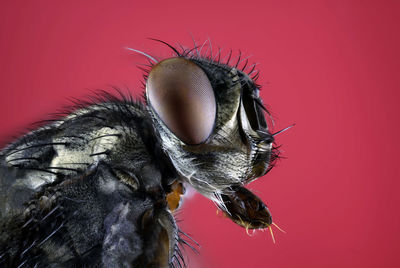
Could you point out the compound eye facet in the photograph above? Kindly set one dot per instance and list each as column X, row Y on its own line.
column 182, row 96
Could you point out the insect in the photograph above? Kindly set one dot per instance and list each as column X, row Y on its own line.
column 98, row 185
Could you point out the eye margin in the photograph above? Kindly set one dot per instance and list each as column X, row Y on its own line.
column 254, row 111
column 254, row 106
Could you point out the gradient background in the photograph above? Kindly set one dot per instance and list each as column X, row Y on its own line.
column 331, row 67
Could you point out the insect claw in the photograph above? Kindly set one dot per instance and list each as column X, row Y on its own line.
column 241, row 221
column 277, row 227
column 252, row 231
column 272, row 233
column 247, row 231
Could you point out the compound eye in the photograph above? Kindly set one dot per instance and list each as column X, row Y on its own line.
column 182, row 96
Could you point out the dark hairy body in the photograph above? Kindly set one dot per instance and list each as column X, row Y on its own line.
column 97, row 187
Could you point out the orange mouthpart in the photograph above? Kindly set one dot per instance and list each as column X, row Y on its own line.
column 174, row 197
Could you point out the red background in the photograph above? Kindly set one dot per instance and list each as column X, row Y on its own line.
column 331, row 67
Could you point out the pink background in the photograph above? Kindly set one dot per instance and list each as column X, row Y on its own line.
column 331, row 67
